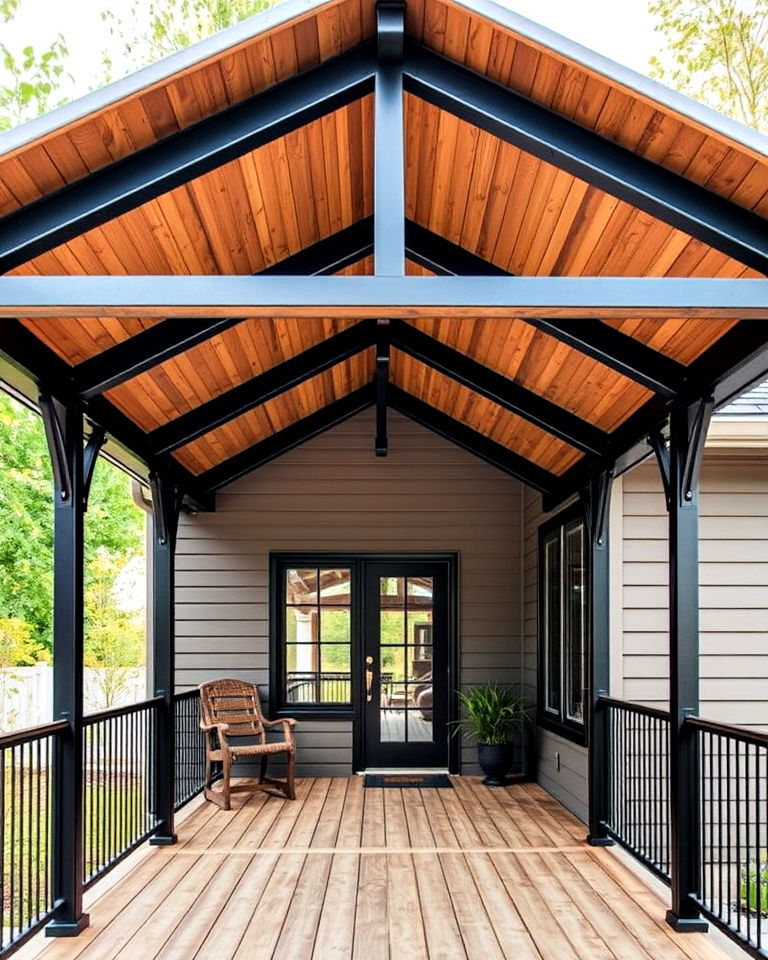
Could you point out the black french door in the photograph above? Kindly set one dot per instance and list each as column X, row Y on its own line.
column 407, row 668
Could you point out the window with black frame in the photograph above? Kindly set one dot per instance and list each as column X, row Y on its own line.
column 315, row 635
column 563, row 623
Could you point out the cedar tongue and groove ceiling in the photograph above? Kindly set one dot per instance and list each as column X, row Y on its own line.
column 540, row 398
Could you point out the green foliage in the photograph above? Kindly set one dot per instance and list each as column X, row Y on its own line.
column 495, row 713
column 749, row 877
column 114, row 540
column 30, row 78
column 717, row 52
column 149, row 33
column 17, row 648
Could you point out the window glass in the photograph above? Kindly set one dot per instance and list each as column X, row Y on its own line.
column 317, row 632
column 575, row 609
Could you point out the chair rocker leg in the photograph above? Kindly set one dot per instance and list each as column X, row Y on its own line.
column 263, row 768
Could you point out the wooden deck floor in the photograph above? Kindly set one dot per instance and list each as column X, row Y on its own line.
column 347, row 872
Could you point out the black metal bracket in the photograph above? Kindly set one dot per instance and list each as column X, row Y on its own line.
column 166, row 507
column 54, row 434
column 96, row 440
column 596, row 500
column 382, row 381
column 390, row 30
column 658, row 443
column 699, row 418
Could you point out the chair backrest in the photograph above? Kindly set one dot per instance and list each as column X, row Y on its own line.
column 234, row 702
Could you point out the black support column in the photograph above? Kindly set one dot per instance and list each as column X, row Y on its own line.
column 389, row 155
column 596, row 498
column 73, row 466
column 680, row 466
column 166, row 504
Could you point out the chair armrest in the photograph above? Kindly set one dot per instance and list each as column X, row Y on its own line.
column 288, row 723
column 221, row 728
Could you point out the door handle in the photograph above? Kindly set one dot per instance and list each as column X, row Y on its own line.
column 368, row 679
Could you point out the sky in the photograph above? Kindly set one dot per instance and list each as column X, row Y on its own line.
column 619, row 29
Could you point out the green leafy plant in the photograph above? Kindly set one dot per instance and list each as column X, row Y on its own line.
column 750, row 875
column 495, row 713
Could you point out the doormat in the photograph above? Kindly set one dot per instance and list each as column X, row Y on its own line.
column 402, row 780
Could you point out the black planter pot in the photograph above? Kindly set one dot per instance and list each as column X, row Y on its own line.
column 496, row 760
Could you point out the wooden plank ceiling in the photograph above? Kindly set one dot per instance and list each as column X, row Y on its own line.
column 492, row 199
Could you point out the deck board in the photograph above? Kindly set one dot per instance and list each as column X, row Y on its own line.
column 346, row 873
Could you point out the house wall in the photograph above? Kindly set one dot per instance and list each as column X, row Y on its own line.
column 733, row 565
column 562, row 764
column 333, row 494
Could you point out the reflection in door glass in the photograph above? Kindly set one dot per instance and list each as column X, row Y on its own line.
column 406, row 659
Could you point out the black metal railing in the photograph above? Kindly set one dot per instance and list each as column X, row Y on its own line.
column 733, row 824
column 637, row 740
column 190, row 748
column 27, row 761
column 327, row 687
column 118, row 795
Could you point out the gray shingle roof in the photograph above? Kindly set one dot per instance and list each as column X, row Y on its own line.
column 753, row 403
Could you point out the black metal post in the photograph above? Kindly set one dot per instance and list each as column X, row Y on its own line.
column 389, row 149
column 64, row 431
column 166, row 504
column 596, row 499
column 382, row 380
column 688, row 427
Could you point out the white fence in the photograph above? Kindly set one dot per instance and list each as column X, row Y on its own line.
column 26, row 693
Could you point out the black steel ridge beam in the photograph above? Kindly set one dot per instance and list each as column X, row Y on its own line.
column 470, row 440
column 22, row 349
column 613, row 168
column 197, row 150
column 289, row 438
column 620, row 352
column 499, row 389
column 213, row 413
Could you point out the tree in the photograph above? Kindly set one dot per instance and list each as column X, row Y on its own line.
column 151, row 32
column 717, row 52
column 30, row 78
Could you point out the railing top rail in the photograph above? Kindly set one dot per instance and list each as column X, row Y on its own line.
column 186, row 694
column 631, row 707
column 727, row 730
column 90, row 719
column 16, row 737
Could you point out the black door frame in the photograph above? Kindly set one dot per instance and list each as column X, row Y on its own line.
column 355, row 559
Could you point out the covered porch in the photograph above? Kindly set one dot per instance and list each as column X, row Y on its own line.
column 370, row 873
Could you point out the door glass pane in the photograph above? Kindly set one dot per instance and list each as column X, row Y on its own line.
column 301, row 586
column 335, row 586
column 575, row 612
column 419, row 591
column 391, row 591
column 393, row 664
column 393, row 726
column 391, row 627
column 419, row 663
column 420, row 723
column 551, row 613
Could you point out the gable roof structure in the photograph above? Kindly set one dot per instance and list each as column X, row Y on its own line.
column 202, row 255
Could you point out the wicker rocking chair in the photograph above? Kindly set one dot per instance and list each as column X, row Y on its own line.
column 231, row 709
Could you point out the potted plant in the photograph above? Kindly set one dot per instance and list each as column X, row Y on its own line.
column 495, row 718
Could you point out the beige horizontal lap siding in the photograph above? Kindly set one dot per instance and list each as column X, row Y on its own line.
column 562, row 765
column 733, row 599
column 333, row 494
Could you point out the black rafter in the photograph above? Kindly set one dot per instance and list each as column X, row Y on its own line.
column 500, row 389
column 197, row 150
column 620, row 352
column 20, row 348
column 289, row 438
column 607, row 165
column 330, row 255
column 143, row 351
column 444, row 258
column 476, row 443
column 213, row 413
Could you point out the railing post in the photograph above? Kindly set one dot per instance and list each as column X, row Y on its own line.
column 596, row 499
column 166, row 504
column 73, row 466
column 680, row 469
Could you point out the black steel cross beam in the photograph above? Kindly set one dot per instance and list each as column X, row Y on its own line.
column 177, row 159
column 672, row 198
column 262, row 387
column 285, row 440
column 470, row 440
column 500, row 389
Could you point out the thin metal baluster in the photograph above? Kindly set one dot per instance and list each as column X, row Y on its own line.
column 12, row 871
column 123, row 839
column 737, row 746
column 720, row 821
column 758, row 858
column 22, row 918
column 711, row 760
column 729, row 898
column 32, row 859
column 747, row 756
